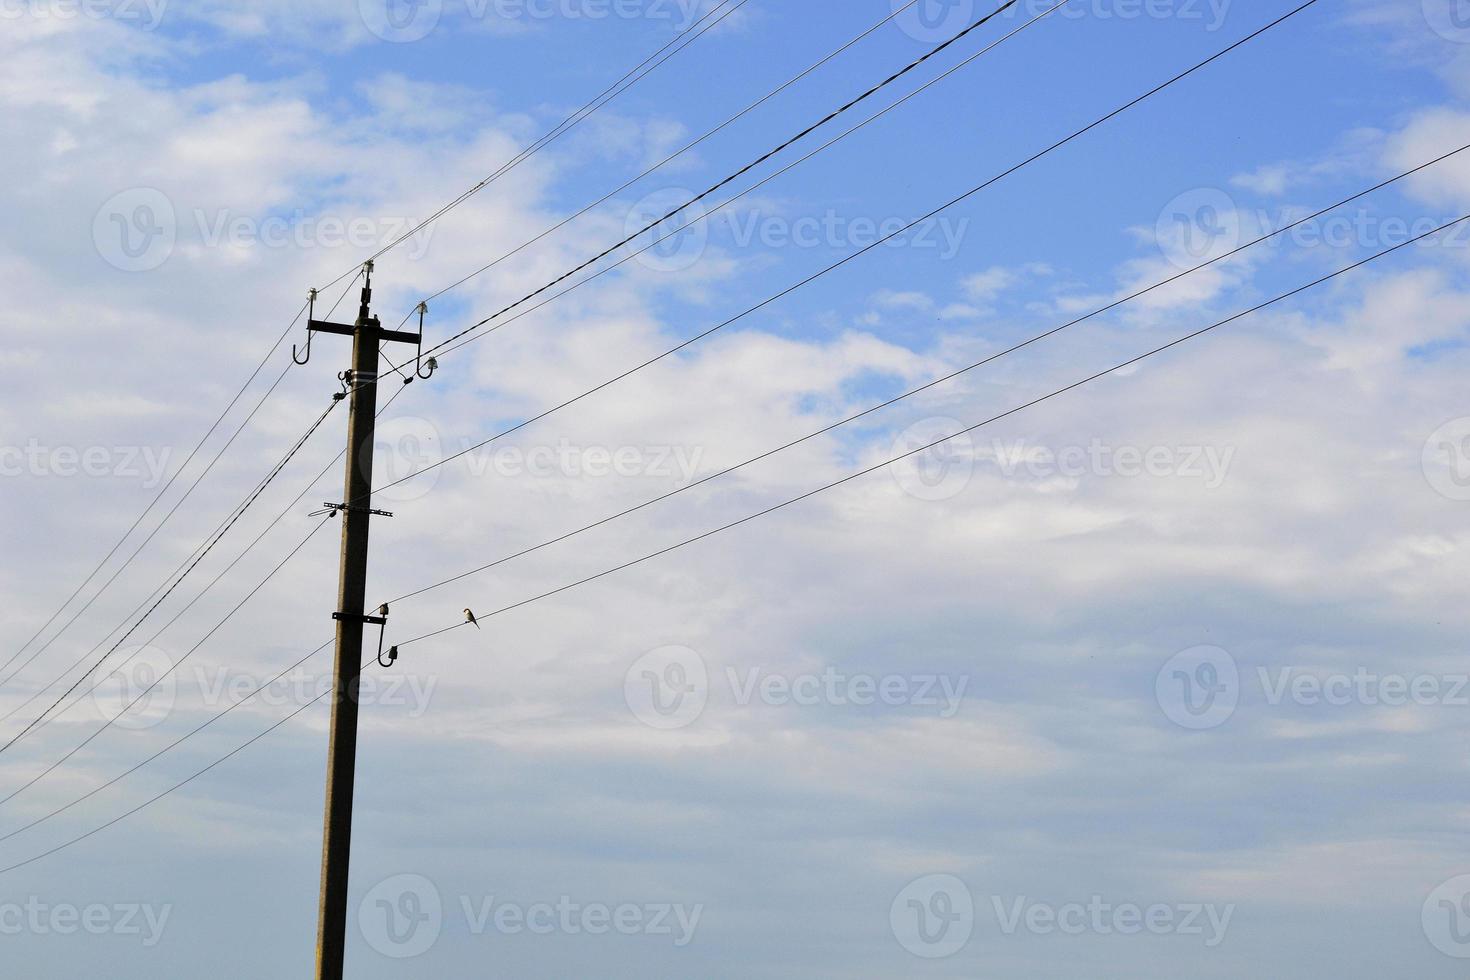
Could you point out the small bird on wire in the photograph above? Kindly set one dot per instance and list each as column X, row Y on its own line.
column 469, row 617
column 383, row 610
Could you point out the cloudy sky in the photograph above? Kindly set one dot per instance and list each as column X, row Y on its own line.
column 1160, row 677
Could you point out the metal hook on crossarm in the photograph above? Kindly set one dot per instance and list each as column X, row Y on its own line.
column 419, row 362
column 310, row 316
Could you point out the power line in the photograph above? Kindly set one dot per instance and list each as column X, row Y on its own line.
column 603, row 98
column 742, row 171
column 176, row 787
column 108, row 723
column 154, row 502
column 1112, row 370
column 167, row 748
column 159, row 496
column 147, row 540
column 675, row 155
column 932, row 384
column 938, row 442
column 216, row 580
column 177, row 582
column 1076, row 134
column 706, row 215
column 139, row 550
column 1115, row 304
column 337, row 459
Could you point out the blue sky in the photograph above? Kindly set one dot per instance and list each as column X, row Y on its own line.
column 1162, row 677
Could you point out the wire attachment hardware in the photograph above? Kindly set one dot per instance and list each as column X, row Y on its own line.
column 310, row 316
column 380, row 621
column 333, row 510
column 418, row 362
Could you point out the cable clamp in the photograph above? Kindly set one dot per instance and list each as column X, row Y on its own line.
column 333, row 509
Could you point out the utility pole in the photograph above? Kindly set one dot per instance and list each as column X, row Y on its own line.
column 367, row 335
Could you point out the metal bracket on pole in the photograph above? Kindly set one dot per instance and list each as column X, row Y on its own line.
column 333, row 509
column 379, row 621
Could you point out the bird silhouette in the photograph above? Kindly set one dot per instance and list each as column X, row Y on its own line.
column 469, row 617
column 383, row 610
